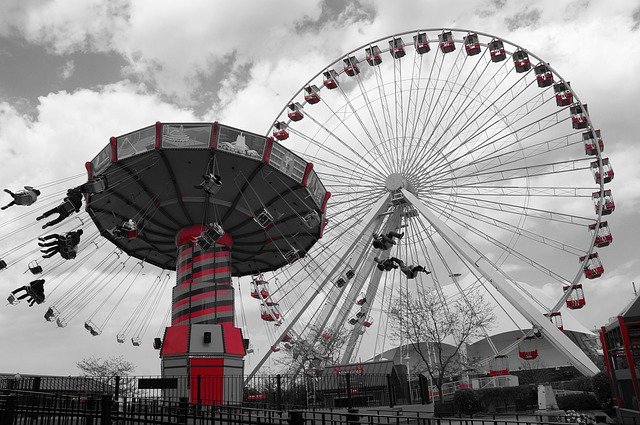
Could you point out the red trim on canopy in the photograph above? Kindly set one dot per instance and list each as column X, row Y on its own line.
column 214, row 136
column 267, row 150
column 89, row 166
column 114, row 149
column 323, row 207
column 305, row 177
column 158, row 135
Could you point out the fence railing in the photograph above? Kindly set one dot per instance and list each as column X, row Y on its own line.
column 265, row 392
column 28, row 407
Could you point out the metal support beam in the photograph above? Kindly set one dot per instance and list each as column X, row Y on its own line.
column 370, row 218
column 372, row 290
column 512, row 294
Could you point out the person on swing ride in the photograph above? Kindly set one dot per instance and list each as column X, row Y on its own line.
column 385, row 241
column 410, row 271
column 72, row 202
column 65, row 244
column 210, row 184
column 34, row 290
column 128, row 229
column 25, row 197
column 386, row 265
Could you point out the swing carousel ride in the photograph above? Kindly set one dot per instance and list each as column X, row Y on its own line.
column 473, row 147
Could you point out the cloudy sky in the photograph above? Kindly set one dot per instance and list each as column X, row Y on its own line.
column 75, row 72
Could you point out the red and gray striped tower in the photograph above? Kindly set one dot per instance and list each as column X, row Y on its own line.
column 202, row 341
column 270, row 203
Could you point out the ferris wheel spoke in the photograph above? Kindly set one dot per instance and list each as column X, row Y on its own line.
column 381, row 160
column 511, row 251
column 454, row 277
column 410, row 166
column 503, row 157
column 518, row 191
column 488, row 123
column 374, row 170
column 502, row 225
column 494, row 120
column 364, row 128
column 525, row 172
column 479, row 112
column 538, row 213
column 520, row 135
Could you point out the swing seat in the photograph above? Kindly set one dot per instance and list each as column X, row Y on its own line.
column 50, row 314
column 120, row 338
column 157, row 343
column 13, row 300
column 61, row 322
column 135, row 341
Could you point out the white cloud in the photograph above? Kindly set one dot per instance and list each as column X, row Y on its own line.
column 66, row 71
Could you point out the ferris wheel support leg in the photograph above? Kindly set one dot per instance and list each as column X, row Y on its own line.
column 558, row 339
column 365, row 256
column 370, row 219
column 372, row 289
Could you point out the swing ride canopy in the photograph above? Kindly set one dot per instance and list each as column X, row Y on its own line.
column 151, row 175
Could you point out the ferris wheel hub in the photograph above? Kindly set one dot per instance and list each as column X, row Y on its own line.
column 397, row 181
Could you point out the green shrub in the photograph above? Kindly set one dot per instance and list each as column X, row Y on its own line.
column 579, row 401
column 602, row 390
column 466, row 401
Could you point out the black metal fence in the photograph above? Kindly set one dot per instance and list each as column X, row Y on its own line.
column 28, row 407
column 279, row 392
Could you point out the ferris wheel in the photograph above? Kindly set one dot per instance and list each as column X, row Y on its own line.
column 474, row 148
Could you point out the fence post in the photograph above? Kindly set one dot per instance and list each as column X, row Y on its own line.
column 347, row 378
column 390, row 391
column 424, row 388
column 8, row 416
column 279, row 392
column 117, row 389
column 105, row 415
column 199, row 383
column 183, row 410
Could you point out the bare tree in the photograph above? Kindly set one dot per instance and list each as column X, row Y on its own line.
column 426, row 321
column 301, row 357
column 112, row 366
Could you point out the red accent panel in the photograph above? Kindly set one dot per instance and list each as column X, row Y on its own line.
column 267, row 150
column 185, row 317
column 323, row 207
column 609, row 366
column 207, row 272
column 176, row 340
column 307, row 170
column 324, row 223
column 233, row 343
column 211, row 294
column 211, row 372
column 184, row 268
column 626, row 341
column 158, row 135
column 114, row 149
column 188, row 234
column 185, row 253
column 210, row 255
column 226, row 240
column 214, row 136
column 89, row 168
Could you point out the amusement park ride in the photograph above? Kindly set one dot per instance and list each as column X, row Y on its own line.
column 473, row 147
